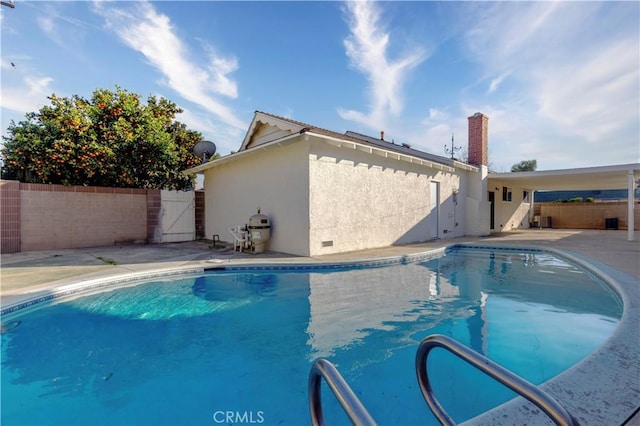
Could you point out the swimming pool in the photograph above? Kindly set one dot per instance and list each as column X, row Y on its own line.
column 241, row 341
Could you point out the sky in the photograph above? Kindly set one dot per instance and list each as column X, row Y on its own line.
column 559, row 81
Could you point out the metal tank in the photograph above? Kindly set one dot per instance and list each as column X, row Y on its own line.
column 259, row 231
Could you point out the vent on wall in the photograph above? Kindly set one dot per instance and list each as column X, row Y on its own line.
column 327, row 243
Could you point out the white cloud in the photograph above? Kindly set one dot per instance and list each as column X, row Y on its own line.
column 436, row 131
column 222, row 84
column 225, row 137
column 46, row 24
column 367, row 47
column 436, row 114
column 595, row 97
column 512, row 36
column 65, row 31
column 493, row 86
column 574, row 80
column 24, row 92
column 151, row 33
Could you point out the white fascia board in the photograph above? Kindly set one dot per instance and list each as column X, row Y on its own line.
column 563, row 172
column 465, row 166
column 599, row 177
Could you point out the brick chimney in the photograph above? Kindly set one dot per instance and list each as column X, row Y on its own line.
column 478, row 139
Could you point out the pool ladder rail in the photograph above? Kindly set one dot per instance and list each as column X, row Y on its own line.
column 322, row 368
column 358, row 414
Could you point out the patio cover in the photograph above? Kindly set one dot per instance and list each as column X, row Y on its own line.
column 588, row 178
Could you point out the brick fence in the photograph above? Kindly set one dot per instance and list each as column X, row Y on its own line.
column 9, row 216
column 200, row 233
column 587, row 215
column 43, row 217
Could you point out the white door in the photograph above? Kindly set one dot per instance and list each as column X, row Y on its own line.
column 434, row 203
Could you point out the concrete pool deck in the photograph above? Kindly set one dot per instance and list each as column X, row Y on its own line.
column 29, row 275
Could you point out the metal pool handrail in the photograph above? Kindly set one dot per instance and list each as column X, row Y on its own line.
column 514, row 382
column 322, row 368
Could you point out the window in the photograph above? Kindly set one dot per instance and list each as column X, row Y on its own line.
column 525, row 196
column 506, row 194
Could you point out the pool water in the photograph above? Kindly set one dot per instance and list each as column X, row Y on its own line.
column 235, row 346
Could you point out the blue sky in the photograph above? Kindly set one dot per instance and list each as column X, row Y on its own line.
column 560, row 81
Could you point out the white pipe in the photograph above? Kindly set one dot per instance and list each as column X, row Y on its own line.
column 630, row 203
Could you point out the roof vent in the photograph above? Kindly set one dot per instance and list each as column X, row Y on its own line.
column 406, row 145
column 381, row 135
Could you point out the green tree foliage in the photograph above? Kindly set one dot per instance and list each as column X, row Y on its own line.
column 113, row 140
column 525, row 166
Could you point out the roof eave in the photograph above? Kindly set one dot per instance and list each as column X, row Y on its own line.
column 337, row 142
column 382, row 152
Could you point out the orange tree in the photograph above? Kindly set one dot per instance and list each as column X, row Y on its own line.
column 112, row 139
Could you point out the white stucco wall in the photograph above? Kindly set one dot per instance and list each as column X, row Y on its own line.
column 359, row 201
column 323, row 199
column 512, row 214
column 275, row 180
column 477, row 207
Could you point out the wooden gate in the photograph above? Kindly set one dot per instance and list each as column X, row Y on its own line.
column 178, row 216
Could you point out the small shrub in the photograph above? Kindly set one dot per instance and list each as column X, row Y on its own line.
column 107, row 260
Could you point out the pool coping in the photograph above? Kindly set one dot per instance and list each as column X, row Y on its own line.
column 582, row 389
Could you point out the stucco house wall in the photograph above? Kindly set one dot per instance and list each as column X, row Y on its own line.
column 322, row 199
column 514, row 214
column 477, row 209
column 275, row 180
column 327, row 192
column 358, row 200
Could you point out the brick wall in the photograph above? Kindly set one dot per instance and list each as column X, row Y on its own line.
column 200, row 230
column 10, row 216
column 43, row 217
column 587, row 215
column 154, row 216
column 478, row 139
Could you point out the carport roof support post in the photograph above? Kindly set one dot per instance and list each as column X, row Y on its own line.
column 630, row 203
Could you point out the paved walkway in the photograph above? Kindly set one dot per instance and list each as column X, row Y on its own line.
column 24, row 275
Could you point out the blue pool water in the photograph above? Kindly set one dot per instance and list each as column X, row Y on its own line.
column 236, row 346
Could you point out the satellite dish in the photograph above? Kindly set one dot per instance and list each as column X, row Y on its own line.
column 205, row 150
